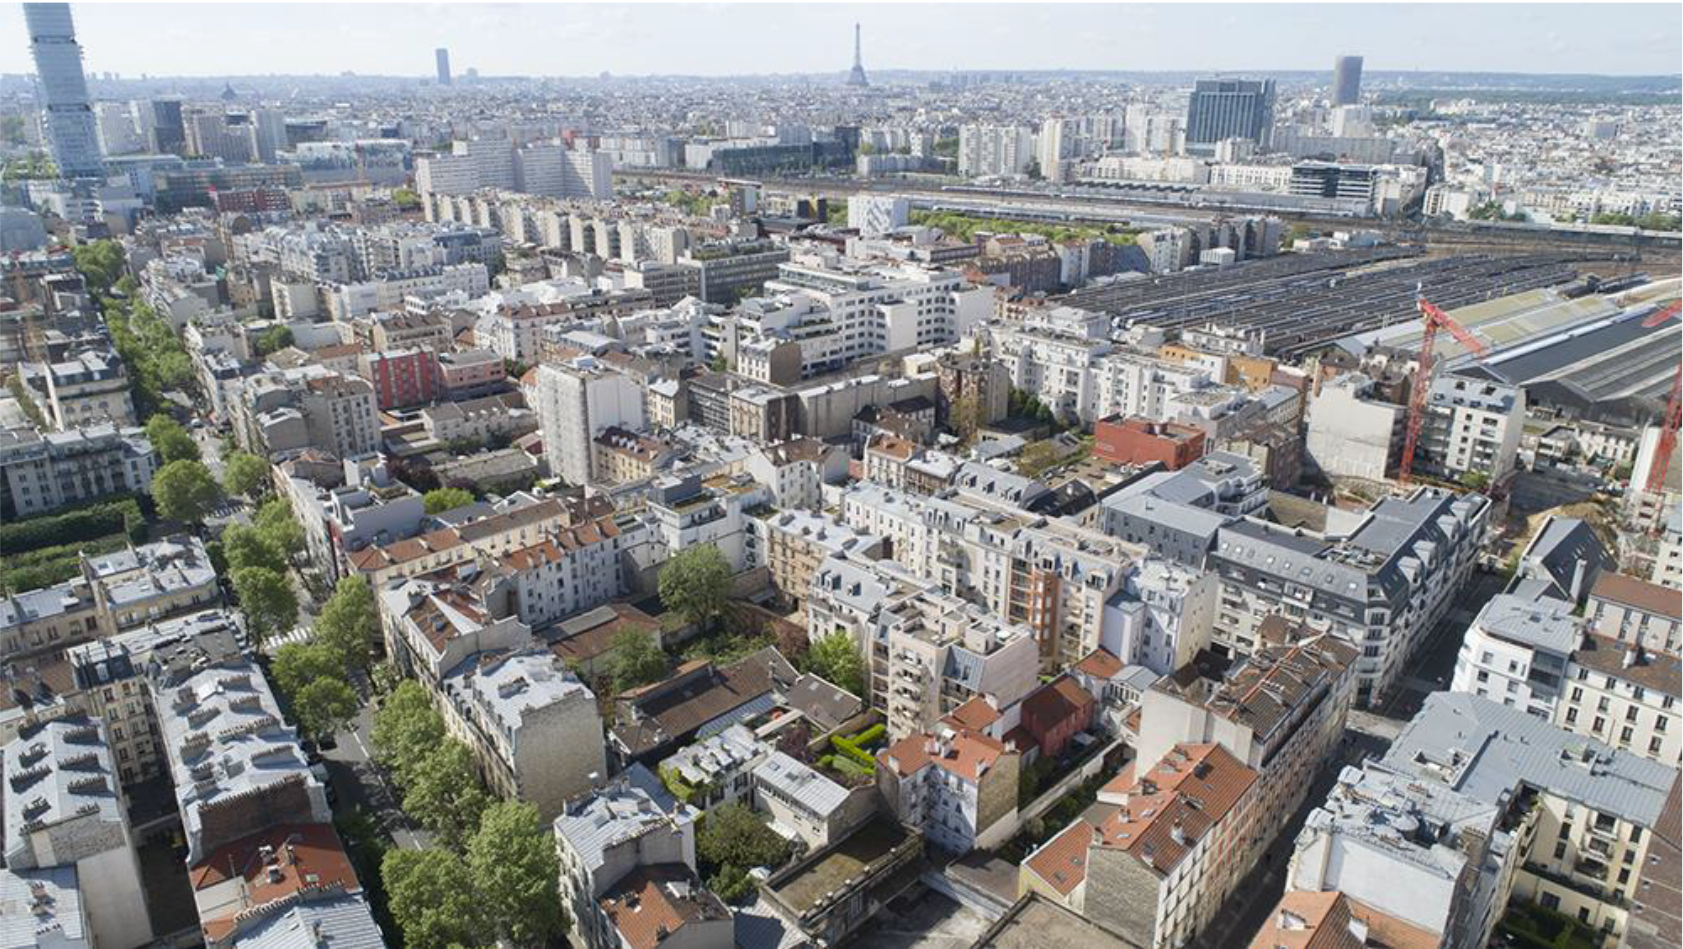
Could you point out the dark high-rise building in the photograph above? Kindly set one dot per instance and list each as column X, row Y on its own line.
column 1347, row 80
column 443, row 66
column 1230, row 108
column 169, row 128
column 63, row 90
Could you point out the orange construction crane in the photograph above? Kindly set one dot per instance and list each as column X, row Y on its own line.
column 1434, row 319
column 1661, row 315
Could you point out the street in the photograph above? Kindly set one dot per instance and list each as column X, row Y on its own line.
column 360, row 784
column 1368, row 734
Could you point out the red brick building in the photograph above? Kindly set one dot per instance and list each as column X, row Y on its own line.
column 1138, row 441
column 403, row 377
column 1052, row 715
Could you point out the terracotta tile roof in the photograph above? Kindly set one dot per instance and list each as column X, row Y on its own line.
column 586, row 643
column 301, row 856
column 652, row 903
column 1100, row 664
column 975, row 715
column 1175, row 802
column 1385, row 931
column 1308, row 919
column 1645, row 596
column 966, row 754
column 893, row 447
column 1056, row 701
column 1062, row 861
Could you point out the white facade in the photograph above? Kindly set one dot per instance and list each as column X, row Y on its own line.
column 994, row 150
column 576, row 402
column 1350, row 434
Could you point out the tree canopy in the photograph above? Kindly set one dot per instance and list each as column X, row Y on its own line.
column 695, row 584
column 514, row 865
column 267, row 600
column 185, row 491
column 273, row 339
column 442, row 792
column 432, row 898
column 439, row 500
column 99, row 262
column 350, row 621
column 732, row 840
column 245, row 473
column 636, row 659
column 835, row 658
column 324, row 706
column 170, row 440
column 247, row 546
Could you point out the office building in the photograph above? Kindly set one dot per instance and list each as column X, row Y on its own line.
column 442, row 55
column 1347, row 80
column 1230, row 108
column 71, row 127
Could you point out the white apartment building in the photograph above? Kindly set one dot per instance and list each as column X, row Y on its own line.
column 533, row 726
column 994, row 150
column 1052, row 354
column 577, row 400
column 389, row 290
column 1349, row 433
column 837, row 312
column 959, row 787
column 1132, row 385
column 1472, row 427
column 1623, row 696
column 468, row 166
column 873, row 215
column 1163, row 616
column 1516, row 652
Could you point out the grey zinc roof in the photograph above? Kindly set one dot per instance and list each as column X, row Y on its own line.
column 32, row 605
column 1545, row 624
column 811, row 790
column 1486, row 750
column 506, row 686
column 719, row 755
column 343, row 922
column 632, row 804
column 60, row 899
column 225, row 736
column 1563, row 546
column 55, row 772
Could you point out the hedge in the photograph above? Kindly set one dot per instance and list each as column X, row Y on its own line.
column 91, row 522
column 52, row 565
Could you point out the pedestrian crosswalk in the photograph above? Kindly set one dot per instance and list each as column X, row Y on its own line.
column 298, row 634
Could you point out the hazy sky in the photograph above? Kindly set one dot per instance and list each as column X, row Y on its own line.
column 726, row 39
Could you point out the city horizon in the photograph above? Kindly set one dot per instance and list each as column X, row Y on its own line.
column 633, row 42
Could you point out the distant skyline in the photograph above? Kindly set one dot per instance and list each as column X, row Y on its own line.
column 723, row 39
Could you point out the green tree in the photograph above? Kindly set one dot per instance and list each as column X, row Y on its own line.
column 246, row 546
column 350, row 621
column 277, row 524
column 185, row 491
column 442, row 792
column 99, row 262
column 835, row 658
column 296, row 665
column 267, row 599
column 245, row 473
column 637, row 659
column 324, row 706
column 439, row 500
column 514, row 866
column 695, row 584
column 730, row 841
column 405, row 199
column 274, row 339
column 406, row 728
column 432, row 898
column 170, row 440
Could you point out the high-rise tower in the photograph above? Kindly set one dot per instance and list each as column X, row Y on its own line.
column 857, row 76
column 1347, row 80
column 72, row 128
column 443, row 57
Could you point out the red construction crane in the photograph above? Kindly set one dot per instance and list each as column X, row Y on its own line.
column 1661, row 315
column 1668, row 437
column 1434, row 319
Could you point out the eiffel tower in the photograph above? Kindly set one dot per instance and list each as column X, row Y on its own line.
column 857, row 76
